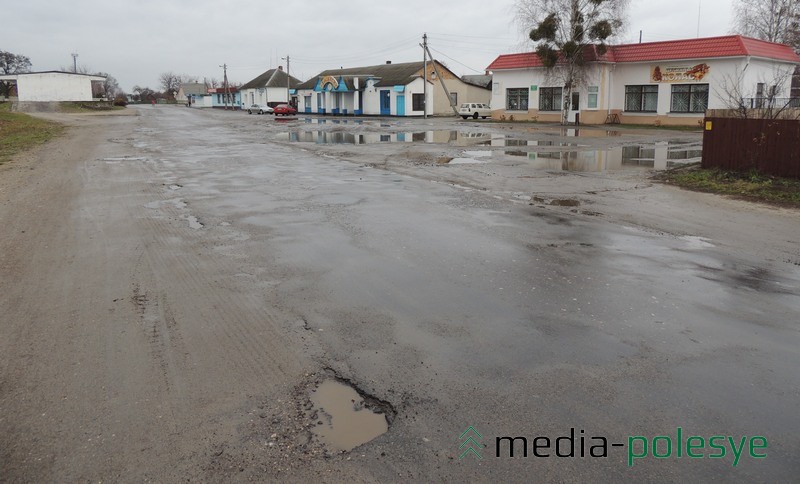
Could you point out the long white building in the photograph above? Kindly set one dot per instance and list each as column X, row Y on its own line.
column 656, row 83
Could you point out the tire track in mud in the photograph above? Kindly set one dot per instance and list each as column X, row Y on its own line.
column 226, row 317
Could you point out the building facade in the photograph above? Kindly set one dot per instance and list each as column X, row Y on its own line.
column 271, row 88
column 52, row 86
column 386, row 90
column 657, row 83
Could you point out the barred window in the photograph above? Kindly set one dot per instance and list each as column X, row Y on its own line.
column 550, row 99
column 517, row 99
column 643, row 99
column 689, row 98
column 417, row 102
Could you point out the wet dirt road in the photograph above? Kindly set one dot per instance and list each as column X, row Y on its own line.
column 176, row 283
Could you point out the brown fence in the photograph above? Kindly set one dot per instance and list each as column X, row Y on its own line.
column 770, row 146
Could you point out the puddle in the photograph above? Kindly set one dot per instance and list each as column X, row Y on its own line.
column 194, row 223
column 346, row 422
column 123, row 158
column 455, row 138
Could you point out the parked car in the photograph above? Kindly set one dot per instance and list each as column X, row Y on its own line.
column 260, row 109
column 474, row 109
column 284, row 109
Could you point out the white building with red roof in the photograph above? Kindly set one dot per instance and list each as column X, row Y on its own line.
column 661, row 83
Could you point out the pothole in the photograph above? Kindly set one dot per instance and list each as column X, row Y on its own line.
column 346, row 418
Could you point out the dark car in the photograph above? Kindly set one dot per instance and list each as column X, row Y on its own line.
column 285, row 109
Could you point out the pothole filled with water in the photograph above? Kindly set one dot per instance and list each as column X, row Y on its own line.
column 345, row 418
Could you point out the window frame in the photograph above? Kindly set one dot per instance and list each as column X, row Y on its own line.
column 641, row 91
column 692, row 92
column 555, row 95
column 417, row 102
column 522, row 97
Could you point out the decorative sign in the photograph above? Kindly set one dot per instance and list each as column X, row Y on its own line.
column 679, row 73
column 709, row 125
column 534, row 88
column 329, row 80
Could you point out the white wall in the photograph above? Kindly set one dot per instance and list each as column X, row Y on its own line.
column 55, row 86
column 722, row 75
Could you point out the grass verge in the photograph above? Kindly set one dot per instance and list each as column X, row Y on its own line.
column 20, row 132
column 751, row 186
column 87, row 106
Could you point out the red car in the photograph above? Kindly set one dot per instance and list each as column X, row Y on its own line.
column 284, row 109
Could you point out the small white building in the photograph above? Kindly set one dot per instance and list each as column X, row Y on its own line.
column 656, row 83
column 52, row 86
column 270, row 88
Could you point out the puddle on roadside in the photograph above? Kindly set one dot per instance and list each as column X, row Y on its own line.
column 542, row 154
column 346, row 422
column 194, row 223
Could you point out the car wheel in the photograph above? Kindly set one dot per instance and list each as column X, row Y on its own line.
column 249, row 112
column 475, row 116
column 483, row 117
column 464, row 117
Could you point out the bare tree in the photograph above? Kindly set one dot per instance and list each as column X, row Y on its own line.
column 568, row 34
column 772, row 20
column 12, row 64
column 109, row 87
column 760, row 100
column 170, row 83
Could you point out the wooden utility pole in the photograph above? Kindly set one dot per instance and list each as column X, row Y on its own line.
column 225, row 89
column 425, row 75
column 441, row 80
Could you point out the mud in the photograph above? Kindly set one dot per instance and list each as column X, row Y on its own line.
column 202, row 277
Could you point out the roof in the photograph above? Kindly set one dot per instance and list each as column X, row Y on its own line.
column 703, row 48
column 386, row 74
column 271, row 78
column 484, row 81
column 14, row 76
column 221, row 90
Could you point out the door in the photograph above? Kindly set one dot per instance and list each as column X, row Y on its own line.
column 386, row 108
column 574, row 108
column 401, row 105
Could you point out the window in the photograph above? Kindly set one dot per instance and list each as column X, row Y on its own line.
column 517, row 99
column 641, row 99
column 592, row 98
column 550, row 99
column 689, row 98
column 454, row 98
column 417, row 102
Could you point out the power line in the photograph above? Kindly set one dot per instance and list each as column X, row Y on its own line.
column 457, row 62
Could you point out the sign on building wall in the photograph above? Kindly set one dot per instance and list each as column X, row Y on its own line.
column 679, row 73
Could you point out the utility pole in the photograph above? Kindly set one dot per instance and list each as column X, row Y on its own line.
column 288, row 82
column 425, row 75
column 441, row 79
column 75, row 62
column 226, row 91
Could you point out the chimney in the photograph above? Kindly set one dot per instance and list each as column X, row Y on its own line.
column 388, row 62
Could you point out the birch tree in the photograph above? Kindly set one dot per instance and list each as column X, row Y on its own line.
column 565, row 31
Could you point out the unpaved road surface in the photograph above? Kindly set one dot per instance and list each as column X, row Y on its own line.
column 176, row 282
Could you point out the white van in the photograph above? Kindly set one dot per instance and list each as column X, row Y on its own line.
column 474, row 109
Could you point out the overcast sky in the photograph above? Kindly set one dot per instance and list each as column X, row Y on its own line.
column 135, row 41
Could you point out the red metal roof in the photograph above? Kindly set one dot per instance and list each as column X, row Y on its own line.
column 705, row 48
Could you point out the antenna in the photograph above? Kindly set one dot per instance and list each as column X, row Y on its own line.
column 699, row 5
column 74, row 62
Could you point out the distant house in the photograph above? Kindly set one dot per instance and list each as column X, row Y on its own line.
column 386, row 90
column 194, row 93
column 270, row 88
column 484, row 81
column 225, row 98
column 670, row 83
column 50, row 86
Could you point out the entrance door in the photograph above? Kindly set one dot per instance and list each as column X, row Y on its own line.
column 401, row 105
column 386, row 108
column 574, row 107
